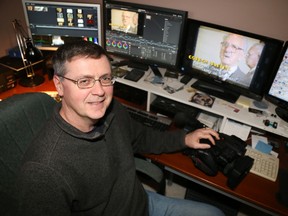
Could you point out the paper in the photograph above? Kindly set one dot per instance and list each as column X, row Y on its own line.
column 240, row 130
column 256, row 139
column 209, row 120
column 243, row 101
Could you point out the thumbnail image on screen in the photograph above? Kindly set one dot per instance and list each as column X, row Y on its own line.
column 228, row 56
column 125, row 21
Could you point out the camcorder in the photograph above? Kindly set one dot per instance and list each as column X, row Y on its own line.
column 227, row 156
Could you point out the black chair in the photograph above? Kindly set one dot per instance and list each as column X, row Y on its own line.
column 21, row 118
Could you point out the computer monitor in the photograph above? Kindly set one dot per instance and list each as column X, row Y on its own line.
column 144, row 34
column 51, row 24
column 228, row 62
column 278, row 89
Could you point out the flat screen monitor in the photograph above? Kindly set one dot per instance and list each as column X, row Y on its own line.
column 278, row 89
column 228, row 62
column 51, row 24
column 144, row 34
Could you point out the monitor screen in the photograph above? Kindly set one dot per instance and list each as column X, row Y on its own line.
column 142, row 33
column 278, row 91
column 230, row 60
column 51, row 24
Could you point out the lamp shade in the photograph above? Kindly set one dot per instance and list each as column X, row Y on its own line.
column 32, row 53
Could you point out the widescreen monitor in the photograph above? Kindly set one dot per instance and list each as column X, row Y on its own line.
column 51, row 24
column 144, row 34
column 228, row 62
column 278, row 91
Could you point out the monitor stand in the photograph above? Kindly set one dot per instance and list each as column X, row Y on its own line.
column 282, row 113
column 131, row 64
column 217, row 91
column 120, row 63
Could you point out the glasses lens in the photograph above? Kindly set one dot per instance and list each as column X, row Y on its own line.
column 232, row 46
column 107, row 80
column 85, row 82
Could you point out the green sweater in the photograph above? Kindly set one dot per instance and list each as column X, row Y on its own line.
column 68, row 172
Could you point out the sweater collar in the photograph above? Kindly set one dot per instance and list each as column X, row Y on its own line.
column 97, row 133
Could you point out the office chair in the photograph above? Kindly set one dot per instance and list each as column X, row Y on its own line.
column 21, row 118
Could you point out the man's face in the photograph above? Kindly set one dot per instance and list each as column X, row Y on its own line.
column 252, row 57
column 232, row 50
column 204, row 100
column 126, row 18
column 84, row 106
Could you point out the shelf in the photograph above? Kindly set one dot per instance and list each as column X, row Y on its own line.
column 222, row 108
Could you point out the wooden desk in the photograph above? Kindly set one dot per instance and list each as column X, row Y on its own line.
column 253, row 190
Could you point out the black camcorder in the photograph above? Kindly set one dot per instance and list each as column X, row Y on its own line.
column 227, row 156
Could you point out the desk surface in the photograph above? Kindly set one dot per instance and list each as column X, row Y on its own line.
column 48, row 85
column 253, row 189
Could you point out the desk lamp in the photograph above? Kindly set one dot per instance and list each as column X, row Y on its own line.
column 29, row 54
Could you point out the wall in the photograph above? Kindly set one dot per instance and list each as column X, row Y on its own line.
column 265, row 17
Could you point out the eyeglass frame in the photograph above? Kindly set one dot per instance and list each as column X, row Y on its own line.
column 113, row 79
column 235, row 48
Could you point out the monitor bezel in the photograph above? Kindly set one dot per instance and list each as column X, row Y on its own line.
column 269, row 56
column 279, row 102
column 127, row 5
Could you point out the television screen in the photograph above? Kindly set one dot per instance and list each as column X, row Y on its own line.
column 144, row 34
column 278, row 91
column 233, row 62
column 51, row 24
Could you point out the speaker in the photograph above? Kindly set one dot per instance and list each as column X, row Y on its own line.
column 7, row 79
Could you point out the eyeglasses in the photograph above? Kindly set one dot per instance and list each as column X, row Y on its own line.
column 253, row 54
column 233, row 47
column 89, row 82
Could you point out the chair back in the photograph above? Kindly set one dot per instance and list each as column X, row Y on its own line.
column 21, row 117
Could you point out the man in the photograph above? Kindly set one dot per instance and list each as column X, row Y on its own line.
column 252, row 59
column 253, row 56
column 203, row 99
column 128, row 20
column 82, row 162
column 231, row 53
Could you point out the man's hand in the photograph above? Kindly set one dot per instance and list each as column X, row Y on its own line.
column 192, row 139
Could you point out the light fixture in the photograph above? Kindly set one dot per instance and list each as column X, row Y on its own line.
column 29, row 54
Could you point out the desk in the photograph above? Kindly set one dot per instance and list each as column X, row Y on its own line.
column 48, row 85
column 253, row 190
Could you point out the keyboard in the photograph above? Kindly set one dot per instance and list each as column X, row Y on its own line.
column 151, row 120
column 264, row 165
column 170, row 108
column 134, row 75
